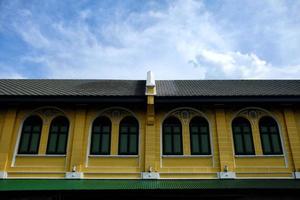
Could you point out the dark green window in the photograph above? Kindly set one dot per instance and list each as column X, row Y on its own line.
column 30, row 135
column 101, row 136
column 242, row 136
column 172, row 137
column 199, row 136
column 269, row 134
column 128, row 136
column 58, row 136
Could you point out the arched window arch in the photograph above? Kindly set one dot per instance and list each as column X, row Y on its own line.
column 172, row 136
column 58, row 136
column 128, row 136
column 270, row 138
column 101, row 136
column 199, row 136
column 242, row 136
column 30, row 135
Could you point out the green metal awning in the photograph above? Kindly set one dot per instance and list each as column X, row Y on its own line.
column 62, row 184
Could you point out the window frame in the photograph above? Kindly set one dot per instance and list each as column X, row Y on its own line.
column 202, row 120
column 29, row 145
column 135, row 122
column 278, row 135
column 66, row 133
column 101, row 133
column 242, row 121
column 170, row 118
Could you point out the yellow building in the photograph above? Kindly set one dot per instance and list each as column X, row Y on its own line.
column 103, row 135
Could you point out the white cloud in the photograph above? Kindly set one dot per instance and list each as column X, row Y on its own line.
column 234, row 65
column 185, row 40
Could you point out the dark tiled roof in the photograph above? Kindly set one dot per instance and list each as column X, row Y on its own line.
column 228, row 88
column 53, row 87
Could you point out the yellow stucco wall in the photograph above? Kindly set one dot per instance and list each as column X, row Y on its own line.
column 186, row 166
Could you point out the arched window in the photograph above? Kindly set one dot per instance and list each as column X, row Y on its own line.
column 128, row 136
column 30, row 135
column 242, row 136
column 101, row 136
column 172, row 137
column 58, row 136
column 199, row 136
column 269, row 134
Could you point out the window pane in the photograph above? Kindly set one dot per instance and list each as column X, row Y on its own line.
column 276, row 143
column 203, row 129
column 36, row 128
column 133, row 129
column 133, row 144
column 205, row 144
column 52, row 143
column 246, row 129
column 266, row 143
column 27, row 128
column 105, row 129
column 167, row 129
column 176, row 129
column 95, row 144
column 24, row 143
column 238, row 144
column 194, row 129
column 62, row 143
column 54, row 129
column 195, row 143
column 64, row 129
column 123, row 143
column 248, row 143
column 273, row 129
column 264, row 129
column 124, row 129
column 237, row 129
column 105, row 144
column 34, row 143
column 177, row 144
column 167, row 144
column 96, row 129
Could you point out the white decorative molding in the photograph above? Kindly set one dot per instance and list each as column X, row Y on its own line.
column 150, row 175
column 150, row 79
column 74, row 175
column 226, row 175
column 150, row 84
column 3, row 175
column 297, row 175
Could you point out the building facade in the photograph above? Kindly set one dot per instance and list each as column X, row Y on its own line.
column 105, row 130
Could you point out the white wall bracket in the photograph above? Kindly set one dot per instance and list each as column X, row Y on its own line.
column 297, row 175
column 74, row 175
column 226, row 175
column 150, row 175
column 3, row 175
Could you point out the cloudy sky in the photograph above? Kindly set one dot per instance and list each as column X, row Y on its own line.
column 184, row 39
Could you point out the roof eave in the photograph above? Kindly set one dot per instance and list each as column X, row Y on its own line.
column 227, row 99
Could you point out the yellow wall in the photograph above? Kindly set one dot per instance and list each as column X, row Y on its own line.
column 150, row 120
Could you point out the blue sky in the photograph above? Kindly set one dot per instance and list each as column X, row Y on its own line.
column 184, row 39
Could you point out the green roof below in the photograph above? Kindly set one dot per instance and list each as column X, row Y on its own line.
column 46, row 184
